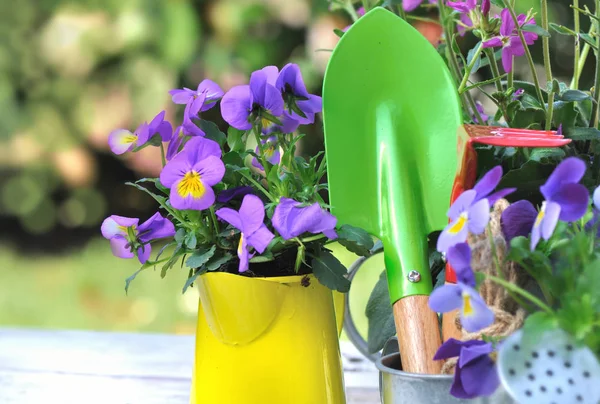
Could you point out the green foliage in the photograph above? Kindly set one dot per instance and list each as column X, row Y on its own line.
column 380, row 315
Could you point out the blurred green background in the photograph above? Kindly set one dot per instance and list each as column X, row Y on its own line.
column 72, row 71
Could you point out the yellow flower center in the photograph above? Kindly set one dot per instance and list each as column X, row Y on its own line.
column 467, row 307
column 460, row 223
column 269, row 151
column 540, row 216
column 129, row 139
column 191, row 185
column 241, row 244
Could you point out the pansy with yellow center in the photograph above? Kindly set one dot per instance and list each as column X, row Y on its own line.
column 474, row 314
column 121, row 140
column 191, row 174
column 271, row 149
column 249, row 220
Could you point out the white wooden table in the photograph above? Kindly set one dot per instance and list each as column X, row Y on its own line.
column 80, row 367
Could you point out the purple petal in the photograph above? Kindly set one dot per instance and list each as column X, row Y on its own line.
column 507, row 59
column 175, row 169
column 120, row 247
column 199, row 148
column 456, row 232
column 508, row 25
column 479, row 216
column 569, row 171
column 457, row 390
column 493, row 198
column 183, row 197
column 252, row 214
column 550, row 220
column 459, row 256
column 488, row 183
column 536, row 232
column 230, row 216
column 211, row 170
column 517, row 219
column 445, row 298
column 471, row 353
column 236, row 106
column 243, row 254
column 234, row 193
column 459, row 6
column 290, row 75
column 289, row 125
column 260, row 239
column 175, row 143
column 410, row 5
column 121, row 141
column 462, row 204
column 114, row 226
column 265, row 94
column 165, row 130
column 188, row 125
column 451, row 348
column 213, row 93
column 596, row 198
column 156, row 227
column 181, row 96
column 485, row 7
column 291, row 220
column 475, row 315
column 493, row 43
column 196, row 104
column 480, row 378
column 144, row 252
column 573, row 200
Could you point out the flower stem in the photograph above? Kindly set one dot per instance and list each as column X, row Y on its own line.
column 261, row 148
column 463, row 83
column 494, row 67
column 596, row 106
column 546, row 41
column 257, row 185
column 536, row 81
column 584, row 55
column 213, row 219
column 349, row 7
column 575, row 81
column 514, row 288
column 550, row 111
column 162, row 154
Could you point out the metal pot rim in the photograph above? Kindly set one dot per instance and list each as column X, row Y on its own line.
column 385, row 369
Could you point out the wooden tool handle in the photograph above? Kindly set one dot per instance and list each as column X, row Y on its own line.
column 418, row 335
column 449, row 329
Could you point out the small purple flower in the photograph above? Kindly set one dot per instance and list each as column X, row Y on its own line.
column 476, row 374
column 291, row 219
column 485, row 7
column 360, row 12
column 288, row 125
column 191, row 174
column 242, row 104
column 410, row 5
column 596, row 198
column 509, row 39
column 518, row 219
column 204, row 98
column 481, row 111
column 118, row 230
column 122, row 140
column 234, row 193
column 566, row 199
column 249, row 221
column 175, row 143
column 272, row 153
column 292, row 87
column 517, row 94
column 465, row 22
column 488, row 183
column 474, row 314
column 464, row 7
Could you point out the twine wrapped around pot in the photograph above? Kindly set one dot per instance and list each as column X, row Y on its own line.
column 509, row 316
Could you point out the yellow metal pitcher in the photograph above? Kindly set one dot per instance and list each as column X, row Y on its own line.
column 267, row 340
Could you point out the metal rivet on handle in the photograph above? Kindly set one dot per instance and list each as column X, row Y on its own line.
column 414, row 276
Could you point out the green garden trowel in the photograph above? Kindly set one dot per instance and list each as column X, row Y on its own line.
column 391, row 114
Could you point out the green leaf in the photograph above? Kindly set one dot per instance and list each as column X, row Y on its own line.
column 380, row 316
column 330, row 272
column 528, row 118
column 565, row 114
column 190, row 240
column 498, row 3
column 355, row 240
column 217, row 261
column 235, row 139
column 155, row 140
column 131, row 278
column 161, row 187
column 471, row 55
column 530, row 89
column 160, row 199
column 583, row 134
column 543, row 154
column 199, row 258
column 574, row 95
column 338, row 32
column 527, row 179
column 535, row 29
column 377, row 247
column 562, row 29
column 535, row 326
column 213, row 132
column 180, row 236
column 587, row 38
column 179, row 251
column 192, row 279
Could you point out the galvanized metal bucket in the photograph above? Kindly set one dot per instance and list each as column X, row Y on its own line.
column 398, row 387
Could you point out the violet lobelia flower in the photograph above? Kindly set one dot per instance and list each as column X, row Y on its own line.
column 464, row 7
column 482, row 113
column 474, row 314
column 272, row 153
column 241, row 106
column 410, row 5
column 191, row 174
column 565, row 199
column 485, row 7
column 509, row 40
column 300, row 105
column 121, row 140
column 249, row 220
column 125, row 234
column 202, row 99
column 476, row 374
column 291, row 219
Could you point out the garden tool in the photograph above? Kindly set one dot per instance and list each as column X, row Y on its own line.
column 551, row 368
column 466, row 174
column 391, row 111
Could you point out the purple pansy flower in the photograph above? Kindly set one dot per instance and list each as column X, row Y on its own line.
column 204, row 98
column 360, row 12
column 596, row 198
column 272, row 153
column 566, row 199
column 410, row 5
column 474, row 314
column 476, row 374
column 175, row 143
column 517, row 219
column 191, row 174
column 115, row 228
column 243, row 103
column 249, row 221
column 509, row 40
column 121, row 140
column 292, row 87
column 482, row 113
column 288, row 125
column 291, row 219
column 234, row 193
